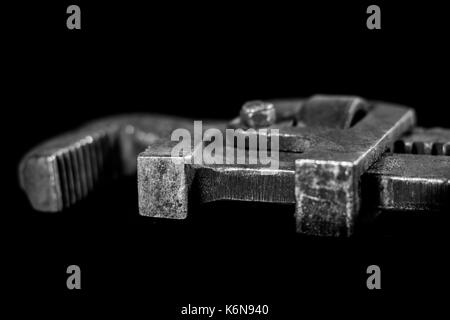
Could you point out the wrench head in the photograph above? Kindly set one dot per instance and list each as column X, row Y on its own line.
column 320, row 164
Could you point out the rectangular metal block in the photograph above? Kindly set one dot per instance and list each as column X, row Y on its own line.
column 163, row 184
column 327, row 196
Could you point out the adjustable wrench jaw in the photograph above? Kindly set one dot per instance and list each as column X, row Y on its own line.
column 320, row 165
column 64, row 170
column 329, row 149
column 415, row 174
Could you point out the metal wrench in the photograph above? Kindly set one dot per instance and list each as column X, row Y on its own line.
column 331, row 147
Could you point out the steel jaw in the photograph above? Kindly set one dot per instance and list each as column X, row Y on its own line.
column 321, row 160
column 327, row 181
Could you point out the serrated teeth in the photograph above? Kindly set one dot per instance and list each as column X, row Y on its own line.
column 438, row 149
column 63, row 180
column 431, row 141
column 82, row 165
column 76, row 172
column 407, row 147
column 87, row 165
column 93, row 162
column 69, row 175
column 420, row 147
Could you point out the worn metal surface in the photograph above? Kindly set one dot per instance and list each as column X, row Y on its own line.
column 243, row 182
column 408, row 182
column 65, row 169
column 434, row 141
column 326, row 157
column 412, row 183
column 328, row 163
column 417, row 176
column 337, row 112
column 258, row 114
column 328, row 175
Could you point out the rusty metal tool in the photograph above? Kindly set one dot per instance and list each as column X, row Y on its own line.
column 331, row 147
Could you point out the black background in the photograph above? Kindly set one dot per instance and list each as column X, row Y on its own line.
column 203, row 60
